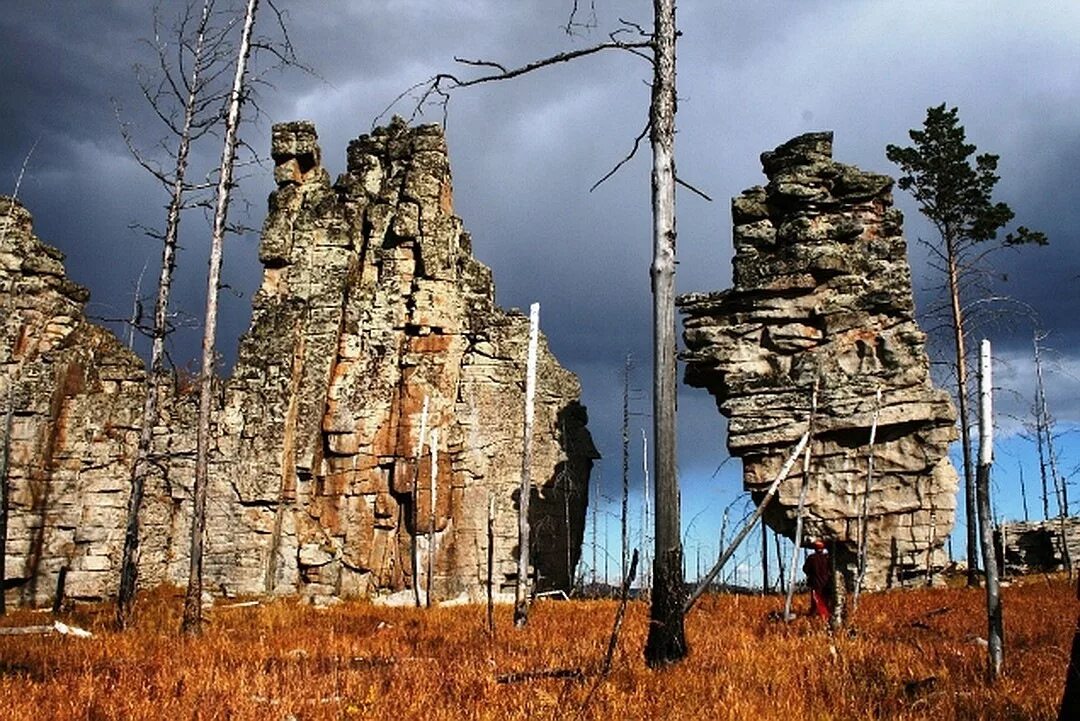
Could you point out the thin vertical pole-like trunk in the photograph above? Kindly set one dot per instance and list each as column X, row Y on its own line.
column 415, row 548
column 798, row 532
column 780, row 564
column 864, row 514
column 433, row 500
column 129, row 571
column 1023, row 491
column 596, row 502
column 491, row 565
column 521, row 595
column 566, row 484
column 9, row 412
column 962, row 407
column 995, row 631
column 646, row 582
column 192, row 621
column 764, row 557
column 5, row 461
column 1045, row 429
column 666, row 640
column 624, row 518
column 1040, row 430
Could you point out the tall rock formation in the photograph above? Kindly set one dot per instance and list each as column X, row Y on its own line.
column 822, row 293
column 371, row 302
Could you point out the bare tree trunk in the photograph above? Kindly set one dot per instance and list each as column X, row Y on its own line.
column 129, row 571
column 764, row 558
column 1045, row 427
column 192, row 621
column 491, row 566
column 9, row 412
column 864, row 509
column 962, row 407
column 780, row 570
column 416, row 504
column 666, row 641
column 596, row 502
column 433, row 500
column 1040, row 431
column 995, row 631
column 1023, row 491
column 646, row 568
column 624, row 518
column 566, row 488
column 5, row 461
column 798, row 532
column 521, row 591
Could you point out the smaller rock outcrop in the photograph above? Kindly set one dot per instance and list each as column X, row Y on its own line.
column 1038, row 546
column 822, row 295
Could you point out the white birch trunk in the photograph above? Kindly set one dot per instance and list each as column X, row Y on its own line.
column 864, row 509
column 521, row 595
column 995, row 631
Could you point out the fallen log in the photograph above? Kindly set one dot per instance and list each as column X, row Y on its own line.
column 55, row 627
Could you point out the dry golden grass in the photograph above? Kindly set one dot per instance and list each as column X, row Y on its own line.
column 903, row 659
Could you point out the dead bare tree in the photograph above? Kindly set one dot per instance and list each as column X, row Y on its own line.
column 199, row 50
column 192, row 621
column 625, row 516
column 9, row 410
column 995, row 630
column 666, row 640
column 521, row 595
column 1044, row 428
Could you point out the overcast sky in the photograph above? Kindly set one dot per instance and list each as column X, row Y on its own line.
column 525, row 153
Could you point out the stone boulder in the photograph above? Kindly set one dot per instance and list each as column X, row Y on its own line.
column 822, row 296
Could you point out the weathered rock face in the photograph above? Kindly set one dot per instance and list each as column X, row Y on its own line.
column 371, row 303
column 1038, row 546
column 822, row 294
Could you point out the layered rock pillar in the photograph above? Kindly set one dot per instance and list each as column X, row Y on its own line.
column 822, row 295
column 371, row 301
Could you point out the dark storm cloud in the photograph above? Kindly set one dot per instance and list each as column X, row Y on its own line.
column 525, row 153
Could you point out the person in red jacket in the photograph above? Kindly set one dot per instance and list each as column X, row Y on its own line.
column 818, row 570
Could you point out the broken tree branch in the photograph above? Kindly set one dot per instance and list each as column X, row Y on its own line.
column 441, row 84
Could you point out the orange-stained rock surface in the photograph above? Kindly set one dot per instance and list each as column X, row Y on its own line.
column 371, row 302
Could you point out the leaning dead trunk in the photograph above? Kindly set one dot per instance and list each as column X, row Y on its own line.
column 192, row 621
column 666, row 641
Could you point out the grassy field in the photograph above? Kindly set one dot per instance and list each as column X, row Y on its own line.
column 914, row 654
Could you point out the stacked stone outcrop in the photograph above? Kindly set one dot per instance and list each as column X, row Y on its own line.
column 822, row 295
column 371, row 301
column 1038, row 546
